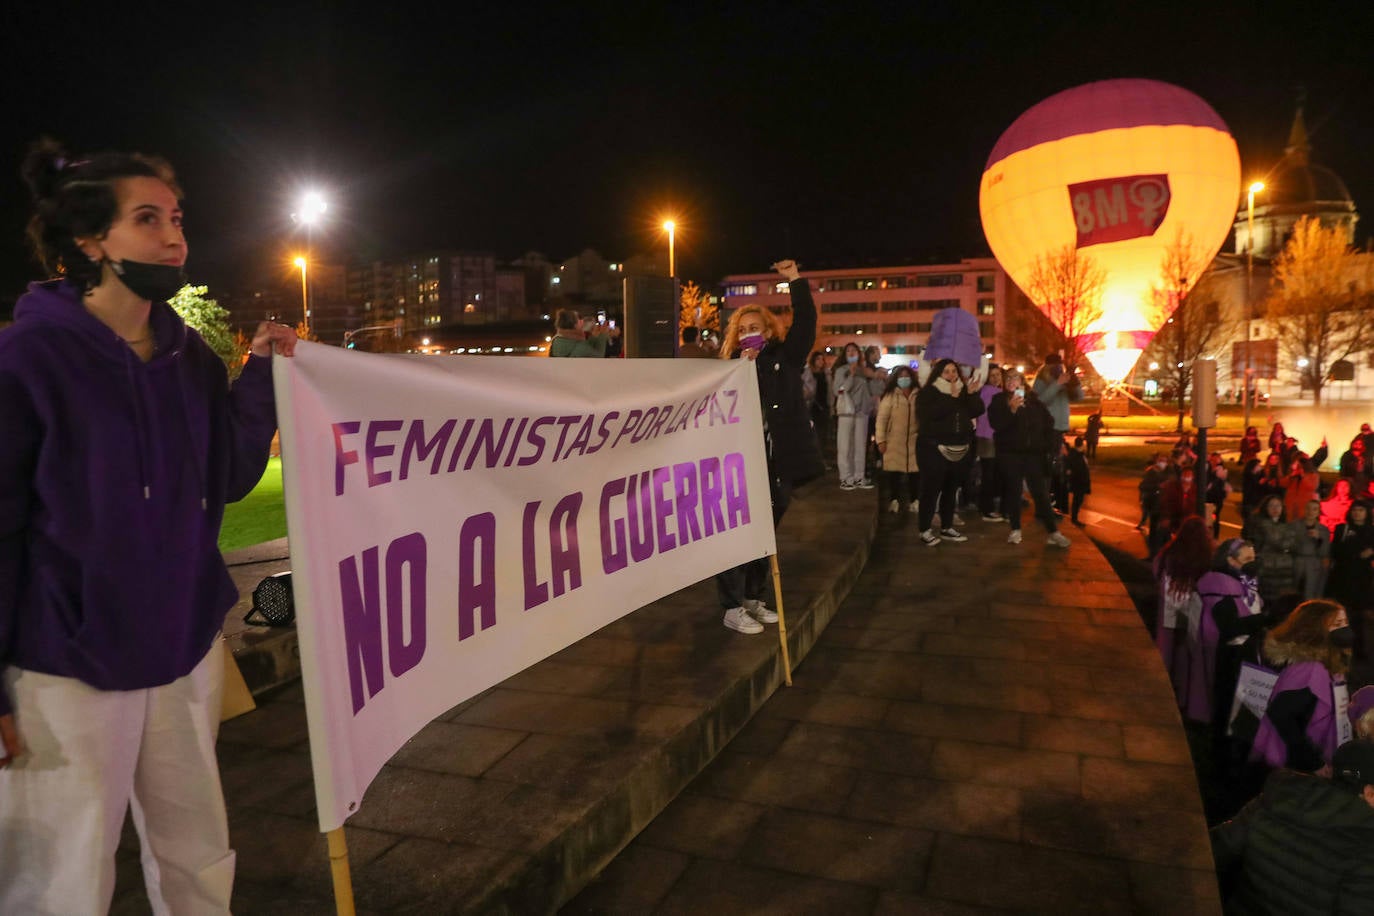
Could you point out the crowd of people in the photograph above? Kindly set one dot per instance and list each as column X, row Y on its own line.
column 1259, row 634
column 953, row 437
column 1310, row 540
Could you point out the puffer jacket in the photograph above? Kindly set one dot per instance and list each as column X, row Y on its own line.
column 896, row 429
column 1276, row 547
column 1302, row 847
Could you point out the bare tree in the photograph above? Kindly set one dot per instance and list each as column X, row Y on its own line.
column 1193, row 329
column 1027, row 334
column 1067, row 286
column 1320, row 302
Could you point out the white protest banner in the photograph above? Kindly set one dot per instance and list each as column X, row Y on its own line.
column 1253, row 689
column 454, row 520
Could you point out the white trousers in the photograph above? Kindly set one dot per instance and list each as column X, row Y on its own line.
column 851, row 446
column 92, row 754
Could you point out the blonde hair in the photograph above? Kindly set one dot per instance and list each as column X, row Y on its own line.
column 770, row 321
column 1364, row 725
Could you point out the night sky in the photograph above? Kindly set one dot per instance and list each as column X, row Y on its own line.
column 840, row 133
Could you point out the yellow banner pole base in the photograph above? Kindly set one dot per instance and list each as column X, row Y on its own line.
column 338, row 867
column 782, row 620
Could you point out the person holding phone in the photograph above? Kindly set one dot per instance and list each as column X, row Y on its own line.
column 121, row 441
column 854, row 404
column 578, row 337
column 1023, row 433
column 945, row 411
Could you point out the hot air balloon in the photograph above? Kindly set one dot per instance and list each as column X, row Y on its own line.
column 1115, row 171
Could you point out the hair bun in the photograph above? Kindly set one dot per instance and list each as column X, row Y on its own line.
column 42, row 169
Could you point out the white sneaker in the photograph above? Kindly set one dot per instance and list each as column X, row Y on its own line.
column 737, row 618
column 958, row 522
column 894, row 507
column 994, row 517
column 930, row 538
column 1014, row 537
column 1058, row 540
column 760, row 611
column 914, row 507
column 846, row 485
column 950, row 534
column 864, row 484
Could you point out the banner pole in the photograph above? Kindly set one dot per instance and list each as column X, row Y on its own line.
column 338, row 867
column 782, row 620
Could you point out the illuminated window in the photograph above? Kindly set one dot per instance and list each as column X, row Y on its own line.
column 742, row 289
column 782, row 287
column 469, row 308
column 986, row 307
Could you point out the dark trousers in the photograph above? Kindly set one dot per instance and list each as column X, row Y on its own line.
column 1018, row 469
column 902, row 485
column 1059, row 480
column 1075, row 503
column 1090, row 447
column 990, row 487
column 939, row 483
column 965, row 472
column 749, row 581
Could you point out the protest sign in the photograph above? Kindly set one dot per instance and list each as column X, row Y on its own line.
column 454, row 520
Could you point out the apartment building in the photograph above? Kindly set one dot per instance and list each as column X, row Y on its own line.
column 892, row 307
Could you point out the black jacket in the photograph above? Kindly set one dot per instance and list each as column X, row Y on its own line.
column 1028, row 431
column 1080, row 477
column 794, row 455
column 1304, row 846
column 945, row 419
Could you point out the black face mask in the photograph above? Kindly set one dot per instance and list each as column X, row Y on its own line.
column 1342, row 637
column 154, row 282
column 1251, row 568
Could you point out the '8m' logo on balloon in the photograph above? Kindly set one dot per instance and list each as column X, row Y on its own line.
column 1115, row 209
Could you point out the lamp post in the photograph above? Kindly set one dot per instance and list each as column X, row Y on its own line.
column 305, row 295
column 669, row 226
column 309, row 212
column 1249, row 283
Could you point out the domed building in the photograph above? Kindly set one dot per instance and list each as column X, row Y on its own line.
column 1236, row 289
column 1295, row 187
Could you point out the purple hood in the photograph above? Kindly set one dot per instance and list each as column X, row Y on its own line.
column 116, row 475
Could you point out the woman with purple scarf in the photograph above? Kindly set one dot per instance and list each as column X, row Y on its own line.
column 1231, row 614
column 1306, row 721
column 1178, row 567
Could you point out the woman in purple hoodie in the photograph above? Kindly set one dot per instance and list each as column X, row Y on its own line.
column 120, row 443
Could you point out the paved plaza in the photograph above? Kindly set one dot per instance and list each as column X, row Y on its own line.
column 972, row 726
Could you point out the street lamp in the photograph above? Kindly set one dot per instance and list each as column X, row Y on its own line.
column 305, row 295
column 309, row 212
column 669, row 226
column 1249, row 283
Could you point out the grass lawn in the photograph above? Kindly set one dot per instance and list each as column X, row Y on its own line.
column 259, row 516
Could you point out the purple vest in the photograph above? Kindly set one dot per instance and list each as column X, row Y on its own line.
column 1195, row 696
column 1321, row 728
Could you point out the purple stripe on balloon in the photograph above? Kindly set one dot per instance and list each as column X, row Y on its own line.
column 1105, row 105
column 1125, row 340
